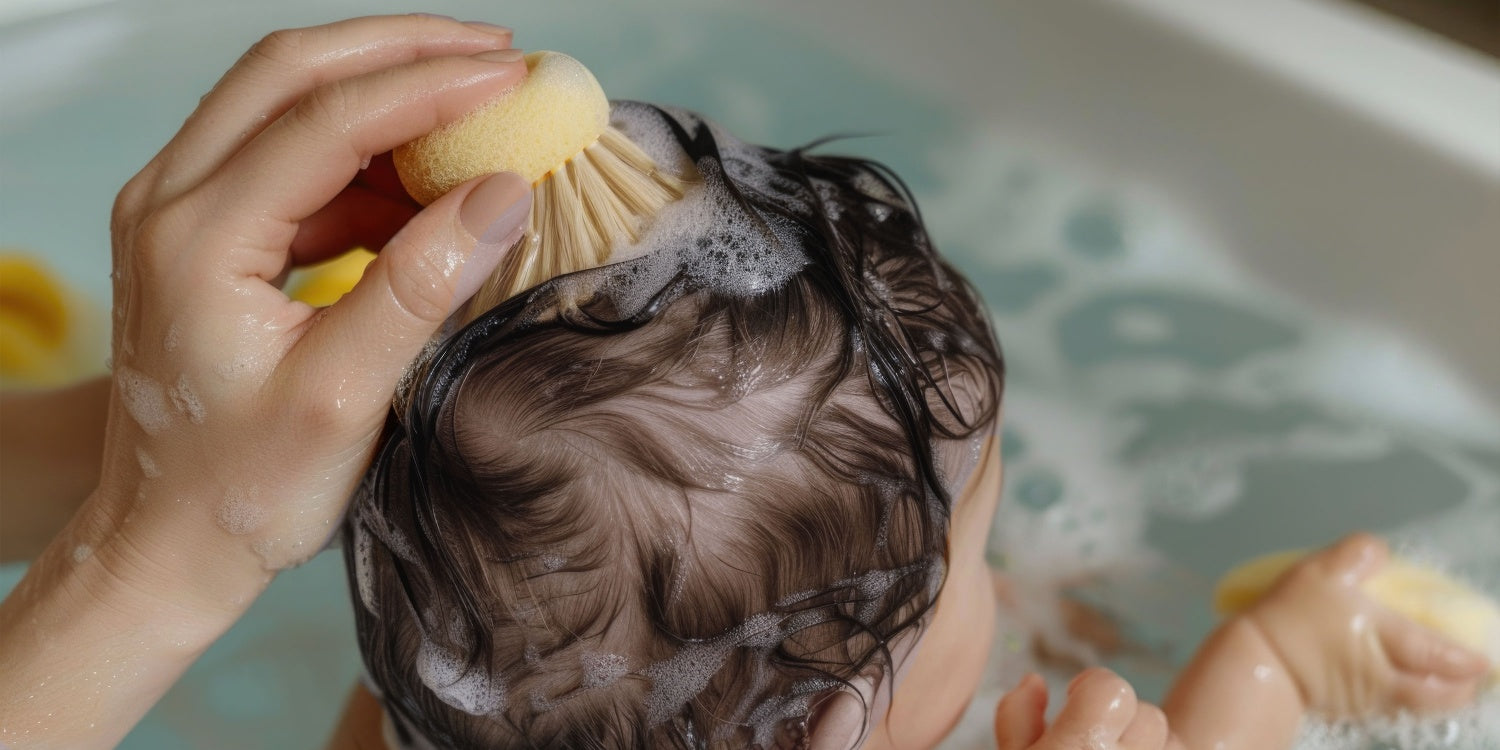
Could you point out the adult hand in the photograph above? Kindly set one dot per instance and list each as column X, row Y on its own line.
column 1102, row 713
column 240, row 420
column 1348, row 655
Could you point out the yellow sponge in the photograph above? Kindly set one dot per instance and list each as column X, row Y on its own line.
column 531, row 130
column 1415, row 591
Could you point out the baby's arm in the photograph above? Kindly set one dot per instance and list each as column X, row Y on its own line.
column 1316, row 643
column 51, row 444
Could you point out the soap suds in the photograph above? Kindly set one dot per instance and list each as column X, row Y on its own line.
column 148, row 465
column 145, row 400
column 472, row 691
column 186, row 401
column 240, row 513
column 601, row 669
column 363, row 567
column 172, row 339
column 744, row 254
column 82, row 552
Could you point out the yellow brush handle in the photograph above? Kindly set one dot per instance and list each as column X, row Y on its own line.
column 1416, row 591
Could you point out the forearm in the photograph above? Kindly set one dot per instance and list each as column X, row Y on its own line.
column 95, row 634
column 50, row 448
column 1236, row 693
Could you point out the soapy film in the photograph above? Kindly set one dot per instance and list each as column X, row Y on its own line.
column 747, row 227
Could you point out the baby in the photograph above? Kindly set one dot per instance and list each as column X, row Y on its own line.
column 734, row 493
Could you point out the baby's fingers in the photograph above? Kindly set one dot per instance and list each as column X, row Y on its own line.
column 1020, row 719
column 1433, row 694
column 1352, row 559
column 1147, row 731
column 1101, row 705
column 1421, row 651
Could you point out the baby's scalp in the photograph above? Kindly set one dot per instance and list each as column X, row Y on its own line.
column 674, row 501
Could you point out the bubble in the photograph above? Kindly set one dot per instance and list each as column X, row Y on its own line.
column 363, row 567
column 1476, row 727
column 186, row 401
column 82, row 552
column 145, row 400
column 602, row 669
column 471, row 691
column 744, row 252
column 553, row 562
column 148, row 464
column 675, row 681
column 240, row 514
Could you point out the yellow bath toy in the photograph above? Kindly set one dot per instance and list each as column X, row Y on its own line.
column 323, row 284
column 1413, row 590
column 41, row 331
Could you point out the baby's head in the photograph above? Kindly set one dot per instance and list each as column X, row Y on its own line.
column 683, row 500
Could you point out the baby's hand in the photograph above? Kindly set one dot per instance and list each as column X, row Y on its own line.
column 1102, row 713
column 1348, row 655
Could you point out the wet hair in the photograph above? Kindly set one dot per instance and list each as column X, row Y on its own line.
column 676, row 503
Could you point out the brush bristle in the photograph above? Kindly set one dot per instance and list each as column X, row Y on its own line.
column 600, row 199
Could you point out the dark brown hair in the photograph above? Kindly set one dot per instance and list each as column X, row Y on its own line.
column 678, row 522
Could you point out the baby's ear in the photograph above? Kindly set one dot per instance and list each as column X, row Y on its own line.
column 838, row 721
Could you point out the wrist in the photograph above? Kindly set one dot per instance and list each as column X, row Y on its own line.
column 165, row 553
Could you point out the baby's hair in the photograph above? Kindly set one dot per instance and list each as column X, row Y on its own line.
column 603, row 518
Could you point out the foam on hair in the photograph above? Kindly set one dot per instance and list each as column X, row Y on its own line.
column 676, row 500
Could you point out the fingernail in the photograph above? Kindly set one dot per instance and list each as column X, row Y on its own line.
column 501, row 55
column 494, row 214
column 491, row 28
column 434, row 15
column 1078, row 678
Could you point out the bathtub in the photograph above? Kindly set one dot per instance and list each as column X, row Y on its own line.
column 1241, row 257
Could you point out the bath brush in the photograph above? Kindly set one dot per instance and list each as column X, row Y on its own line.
column 592, row 187
column 1411, row 589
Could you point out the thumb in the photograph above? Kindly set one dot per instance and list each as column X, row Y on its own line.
column 433, row 265
column 1020, row 719
column 1354, row 558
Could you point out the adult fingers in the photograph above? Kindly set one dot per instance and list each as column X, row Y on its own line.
column 1147, row 730
column 358, row 217
column 283, row 67
column 430, row 267
column 1422, row 651
column 293, row 169
column 1100, row 704
column 1020, row 718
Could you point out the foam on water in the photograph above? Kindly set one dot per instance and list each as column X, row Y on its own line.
column 473, row 691
column 1474, row 728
